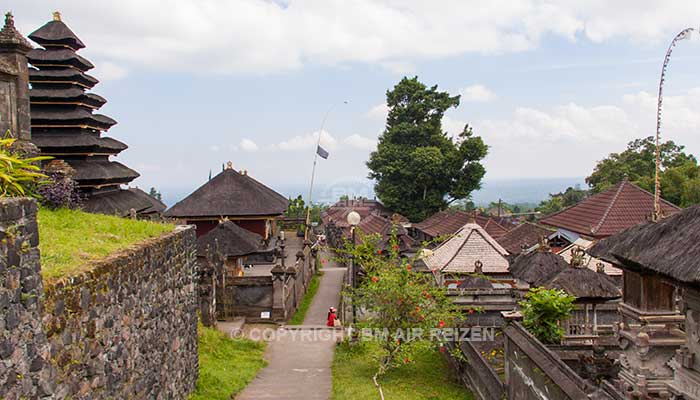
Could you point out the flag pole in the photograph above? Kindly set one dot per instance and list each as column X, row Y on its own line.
column 313, row 170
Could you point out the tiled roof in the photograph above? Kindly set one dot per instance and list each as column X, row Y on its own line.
column 450, row 221
column 522, row 236
column 469, row 245
column 375, row 224
column 614, row 210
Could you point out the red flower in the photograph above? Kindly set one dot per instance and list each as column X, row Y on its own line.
column 408, row 267
column 417, row 308
column 442, row 349
column 407, row 360
column 379, row 251
column 375, row 279
column 441, row 324
column 396, row 247
column 471, row 311
column 420, row 317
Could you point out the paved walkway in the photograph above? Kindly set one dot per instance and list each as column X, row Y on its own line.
column 299, row 360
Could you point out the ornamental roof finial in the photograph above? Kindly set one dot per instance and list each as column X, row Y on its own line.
column 9, row 20
column 56, row 16
column 229, row 165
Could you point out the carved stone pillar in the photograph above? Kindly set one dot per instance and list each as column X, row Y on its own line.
column 14, row 82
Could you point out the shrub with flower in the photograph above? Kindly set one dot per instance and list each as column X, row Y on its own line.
column 395, row 299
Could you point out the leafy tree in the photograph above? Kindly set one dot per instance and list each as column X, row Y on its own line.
column 561, row 200
column 637, row 163
column 296, row 208
column 416, row 166
column 155, row 194
column 396, row 300
column 543, row 310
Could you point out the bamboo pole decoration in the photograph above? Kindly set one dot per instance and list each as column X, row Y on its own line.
column 684, row 34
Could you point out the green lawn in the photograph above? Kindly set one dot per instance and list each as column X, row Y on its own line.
column 70, row 239
column 300, row 314
column 226, row 365
column 428, row 377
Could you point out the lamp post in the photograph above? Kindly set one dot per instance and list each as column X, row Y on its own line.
column 684, row 34
column 353, row 220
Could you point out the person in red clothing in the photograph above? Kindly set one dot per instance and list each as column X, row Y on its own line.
column 331, row 317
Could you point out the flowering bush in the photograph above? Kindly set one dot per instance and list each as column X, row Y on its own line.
column 60, row 191
column 396, row 299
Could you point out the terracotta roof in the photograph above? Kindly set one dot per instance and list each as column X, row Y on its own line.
column 668, row 247
column 609, row 212
column 522, row 236
column 375, row 224
column 448, row 222
column 469, row 245
column 230, row 240
column 589, row 261
column 229, row 194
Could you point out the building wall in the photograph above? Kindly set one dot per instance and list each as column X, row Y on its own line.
column 125, row 329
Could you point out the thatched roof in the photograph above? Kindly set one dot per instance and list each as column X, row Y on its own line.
column 63, row 57
column 76, row 143
column 116, row 202
column 230, row 194
column 522, row 236
column 156, row 207
column 48, row 77
column 230, row 239
column 469, row 245
column 56, row 33
column 537, row 266
column 668, row 247
column 98, row 171
column 584, row 283
column 474, row 281
column 609, row 212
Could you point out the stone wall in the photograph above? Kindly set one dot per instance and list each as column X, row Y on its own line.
column 125, row 329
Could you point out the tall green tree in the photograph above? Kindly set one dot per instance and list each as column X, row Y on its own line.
column 680, row 176
column 417, row 167
column 561, row 200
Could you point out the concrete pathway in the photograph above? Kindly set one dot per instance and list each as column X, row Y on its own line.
column 299, row 360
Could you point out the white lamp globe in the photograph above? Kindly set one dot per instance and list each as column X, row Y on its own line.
column 353, row 218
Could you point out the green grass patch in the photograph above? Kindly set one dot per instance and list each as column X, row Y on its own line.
column 428, row 377
column 226, row 365
column 71, row 239
column 300, row 314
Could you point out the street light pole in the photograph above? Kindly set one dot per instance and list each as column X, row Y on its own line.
column 684, row 34
column 353, row 219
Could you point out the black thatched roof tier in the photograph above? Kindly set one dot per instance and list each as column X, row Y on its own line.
column 77, row 144
column 584, row 283
column 668, row 247
column 52, row 58
column 101, row 171
column 157, row 206
column 56, row 33
column 230, row 239
column 77, row 117
column 537, row 267
column 475, row 282
column 51, row 77
column 117, row 202
column 230, row 194
column 71, row 95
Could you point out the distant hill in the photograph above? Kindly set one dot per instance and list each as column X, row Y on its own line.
column 508, row 190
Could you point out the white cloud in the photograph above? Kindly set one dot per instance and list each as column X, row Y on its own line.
column 109, row 71
column 308, row 141
column 259, row 36
column 248, row 145
column 380, row 111
column 361, row 142
column 477, row 94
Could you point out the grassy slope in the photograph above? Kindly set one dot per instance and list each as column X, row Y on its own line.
column 226, row 365
column 70, row 239
column 426, row 378
column 300, row 314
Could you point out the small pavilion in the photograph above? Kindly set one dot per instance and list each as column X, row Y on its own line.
column 235, row 196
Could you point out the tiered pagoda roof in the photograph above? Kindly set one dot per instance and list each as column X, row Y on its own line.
column 619, row 207
column 66, row 126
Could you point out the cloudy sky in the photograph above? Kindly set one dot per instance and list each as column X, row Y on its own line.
column 551, row 86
